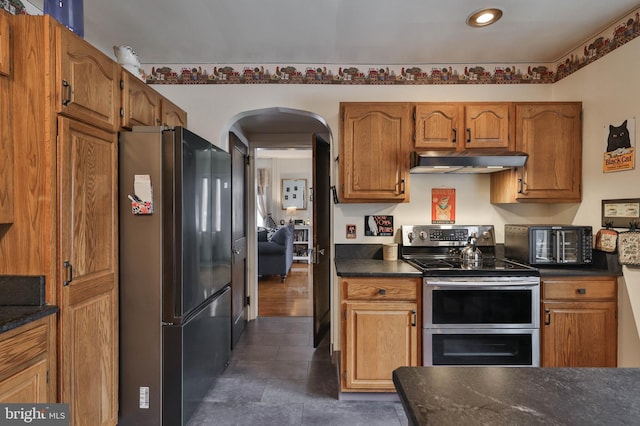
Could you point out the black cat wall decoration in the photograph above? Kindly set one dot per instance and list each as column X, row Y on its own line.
column 618, row 137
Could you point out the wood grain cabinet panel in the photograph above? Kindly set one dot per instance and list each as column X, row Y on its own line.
column 140, row 103
column 172, row 115
column 6, row 154
column 374, row 152
column 579, row 322
column 462, row 126
column 551, row 134
column 27, row 363
column 87, row 87
column 5, row 43
column 67, row 196
column 380, row 331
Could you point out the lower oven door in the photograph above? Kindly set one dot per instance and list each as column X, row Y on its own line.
column 482, row 347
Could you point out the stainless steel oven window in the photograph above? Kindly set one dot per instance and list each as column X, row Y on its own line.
column 501, row 302
column 482, row 347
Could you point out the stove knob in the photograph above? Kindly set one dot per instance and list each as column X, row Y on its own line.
column 423, row 235
column 486, row 235
column 410, row 236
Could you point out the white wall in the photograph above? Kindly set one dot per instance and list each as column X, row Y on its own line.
column 608, row 89
column 283, row 168
column 610, row 92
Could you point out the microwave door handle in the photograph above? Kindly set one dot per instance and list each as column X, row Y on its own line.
column 563, row 247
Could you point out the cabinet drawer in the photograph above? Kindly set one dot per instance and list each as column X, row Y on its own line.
column 22, row 345
column 381, row 288
column 588, row 289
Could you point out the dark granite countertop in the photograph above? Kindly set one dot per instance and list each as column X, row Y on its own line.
column 22, row 300
column 375, row 267
column 15, row 316
column 366, row 260
column 519, row 395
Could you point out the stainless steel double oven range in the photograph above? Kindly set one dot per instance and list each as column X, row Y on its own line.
column 486, row 313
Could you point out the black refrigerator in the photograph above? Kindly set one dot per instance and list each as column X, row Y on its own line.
column 175, row 273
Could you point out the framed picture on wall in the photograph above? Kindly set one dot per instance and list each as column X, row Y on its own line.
column 294, row 193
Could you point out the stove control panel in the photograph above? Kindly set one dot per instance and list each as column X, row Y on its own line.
column 446, row 235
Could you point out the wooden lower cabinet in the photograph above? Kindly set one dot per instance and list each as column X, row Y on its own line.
column 579, row 322
column 27, row 363
column 381, row 324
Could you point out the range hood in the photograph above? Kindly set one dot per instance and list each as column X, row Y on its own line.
column 466, row 161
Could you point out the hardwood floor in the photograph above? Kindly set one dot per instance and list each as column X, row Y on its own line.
column 290, row 298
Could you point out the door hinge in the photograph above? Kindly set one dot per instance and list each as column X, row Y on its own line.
column 248, row 301
column 248, row 160
column 344, row 375
column 47, row 376
column 121, row 84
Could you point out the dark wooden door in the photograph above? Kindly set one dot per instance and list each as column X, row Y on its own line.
column 321, row 239
column 239, row 238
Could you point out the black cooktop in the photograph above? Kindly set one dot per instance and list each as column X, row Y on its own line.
column 487, row 267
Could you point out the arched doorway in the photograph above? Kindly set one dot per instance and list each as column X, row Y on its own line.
column 285, row 128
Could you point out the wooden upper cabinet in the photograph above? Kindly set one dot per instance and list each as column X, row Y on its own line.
column 140, row 103
column 486, row 125
column 551, row 134
column 438, row 126
column 172, row 115
column 88, row 82
column 5, row 44
column 374, row 152
column 462, row 126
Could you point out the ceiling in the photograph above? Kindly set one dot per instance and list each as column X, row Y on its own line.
column 343, row 32
column 350, row 32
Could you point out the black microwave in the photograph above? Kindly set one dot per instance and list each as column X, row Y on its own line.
column 549, row 244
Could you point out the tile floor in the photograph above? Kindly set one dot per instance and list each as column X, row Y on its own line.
column 276, row 377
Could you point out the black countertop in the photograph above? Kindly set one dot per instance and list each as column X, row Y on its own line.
column 22, row 300
column 365, row 260
column 15, row 316
column 519, row 395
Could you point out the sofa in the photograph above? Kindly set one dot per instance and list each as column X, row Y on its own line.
column 275, row 254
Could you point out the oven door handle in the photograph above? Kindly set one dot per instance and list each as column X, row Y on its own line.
column 470, row 283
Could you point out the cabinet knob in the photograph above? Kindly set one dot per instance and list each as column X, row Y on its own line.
column 582, row 291
column 382, row 292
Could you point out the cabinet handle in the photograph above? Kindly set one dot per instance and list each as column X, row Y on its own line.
column 401, row 186
column 520, row 186
column 69, row 267
column 582, row 291
column 468, row 135
column 455, row 135
column 382, row 292
column 547, row 320
column 415, row 318
column 66, row 101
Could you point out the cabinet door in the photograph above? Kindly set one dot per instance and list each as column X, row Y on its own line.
column 579, row 334
column 374, row 152
column 486, row 126
column 5, row 45
column 88, row 82
column 88, row 273
column 438, row 126
column 172, row 115
column 379, row 337
column 140, row 103
column 551, row 133
column 6, row 154
column 26, row 386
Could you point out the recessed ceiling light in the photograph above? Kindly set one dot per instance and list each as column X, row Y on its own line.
column 484, row 17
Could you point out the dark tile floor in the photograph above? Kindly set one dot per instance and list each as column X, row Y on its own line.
column 276, row 377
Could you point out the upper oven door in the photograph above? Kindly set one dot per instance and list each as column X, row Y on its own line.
column 490, row 302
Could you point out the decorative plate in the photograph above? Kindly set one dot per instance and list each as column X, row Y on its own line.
column 629, row 247
column 606, row 240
